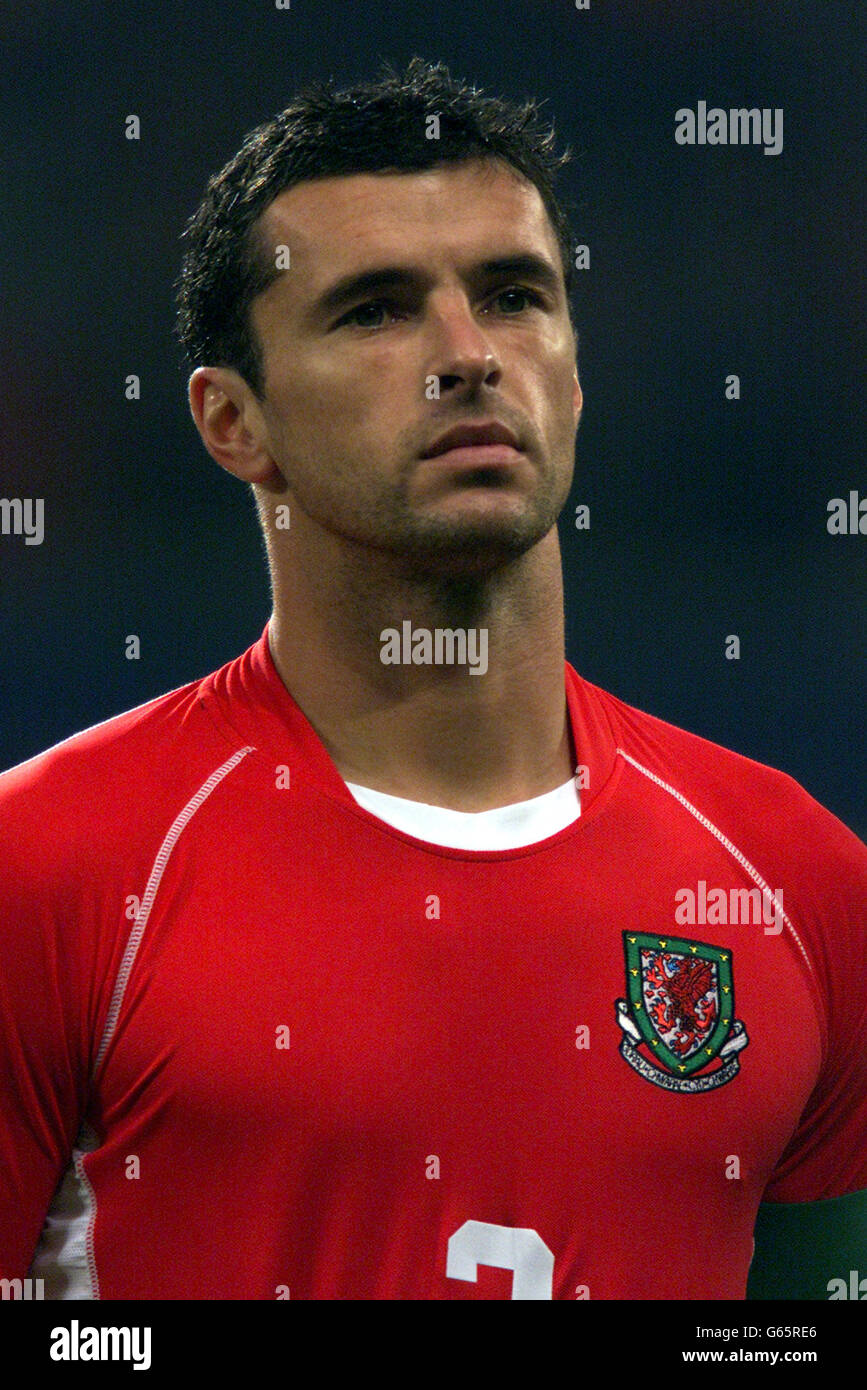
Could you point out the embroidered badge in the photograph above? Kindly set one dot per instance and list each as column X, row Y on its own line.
column 681, row 1010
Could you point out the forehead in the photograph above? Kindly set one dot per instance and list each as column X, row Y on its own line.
column 452, row 213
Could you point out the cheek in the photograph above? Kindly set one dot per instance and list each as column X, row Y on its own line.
column 564, row 380
column 337, row 416
column 554, row 390
column 339, row 391
column 309, row 410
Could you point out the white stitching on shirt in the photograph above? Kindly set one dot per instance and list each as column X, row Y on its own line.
column 727, row 844
column 128, row 961
column 153, row 884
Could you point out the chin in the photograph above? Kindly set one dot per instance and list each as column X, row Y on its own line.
column 474, row 549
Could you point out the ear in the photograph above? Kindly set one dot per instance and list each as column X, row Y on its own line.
column 231, row 423
column 577, row 398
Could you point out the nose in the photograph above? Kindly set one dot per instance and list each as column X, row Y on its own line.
column 462, row 355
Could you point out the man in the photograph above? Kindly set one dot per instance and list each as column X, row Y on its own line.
column 394, row 960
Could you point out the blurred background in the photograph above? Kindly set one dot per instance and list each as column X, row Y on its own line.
column 708, row 516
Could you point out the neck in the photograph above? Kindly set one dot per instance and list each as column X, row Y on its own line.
column 437, row 733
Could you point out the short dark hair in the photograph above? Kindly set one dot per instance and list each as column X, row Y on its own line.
column 374, row 127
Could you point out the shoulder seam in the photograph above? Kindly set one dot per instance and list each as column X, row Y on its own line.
column 741, row 859
column 154, row 879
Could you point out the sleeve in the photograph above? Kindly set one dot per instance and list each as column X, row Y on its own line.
column 810, row 1250
column 43, row 1043
column 827, row 1155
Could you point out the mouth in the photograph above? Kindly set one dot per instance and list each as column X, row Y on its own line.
column 487, row 444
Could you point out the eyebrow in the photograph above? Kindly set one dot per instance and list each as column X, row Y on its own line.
column 525, row 265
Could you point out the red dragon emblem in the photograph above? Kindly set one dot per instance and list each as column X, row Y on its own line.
column 681, row 997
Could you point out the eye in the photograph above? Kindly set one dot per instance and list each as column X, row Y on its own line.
column 368, row 315
column 513, row 292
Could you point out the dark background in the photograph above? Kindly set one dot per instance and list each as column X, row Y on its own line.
column 708, row 516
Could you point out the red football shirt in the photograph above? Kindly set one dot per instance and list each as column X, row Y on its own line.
column 256, row 1043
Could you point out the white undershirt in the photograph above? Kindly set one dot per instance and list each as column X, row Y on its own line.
column 505, row 827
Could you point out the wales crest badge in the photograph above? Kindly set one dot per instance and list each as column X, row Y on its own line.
column 678, row 1023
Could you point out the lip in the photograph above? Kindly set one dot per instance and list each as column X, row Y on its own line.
column 477, row 439
column 476, row 456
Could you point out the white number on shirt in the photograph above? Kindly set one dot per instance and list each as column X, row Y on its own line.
column 505, row 1247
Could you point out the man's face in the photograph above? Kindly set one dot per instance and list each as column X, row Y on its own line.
column 352, row 371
